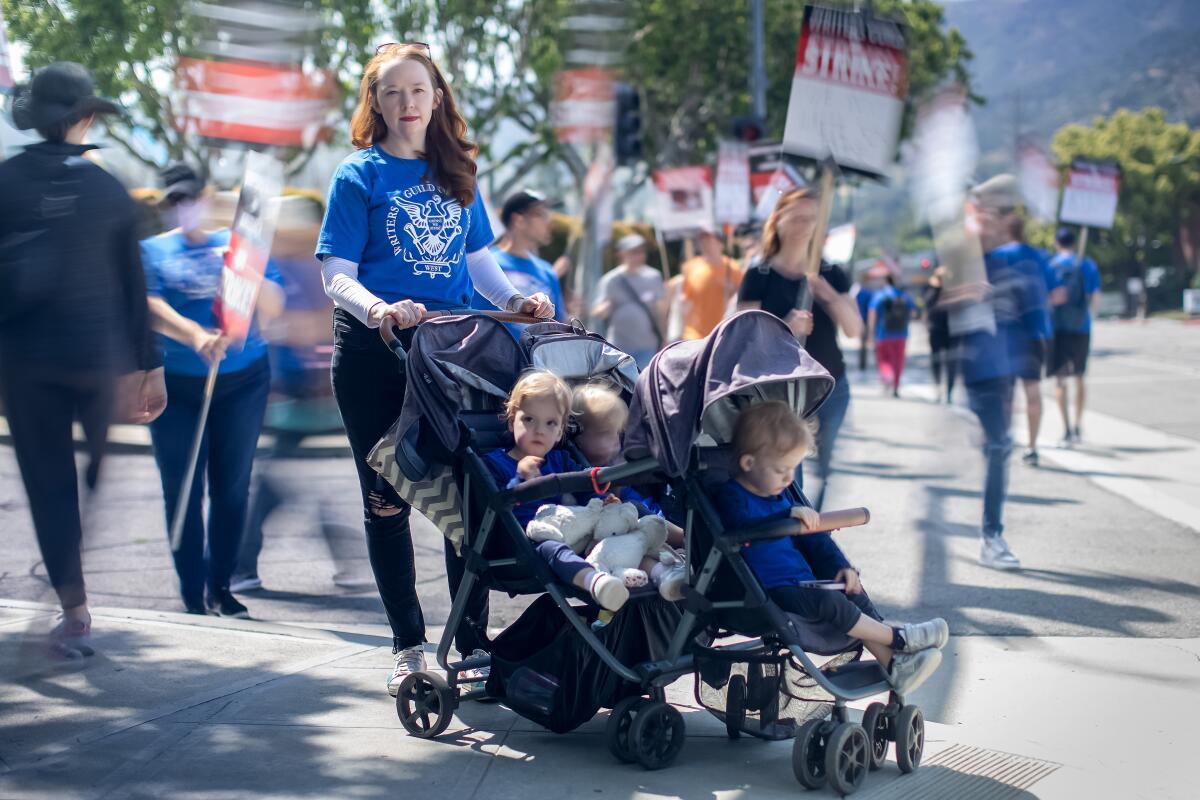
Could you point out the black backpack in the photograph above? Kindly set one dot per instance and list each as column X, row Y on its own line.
column 895, row 315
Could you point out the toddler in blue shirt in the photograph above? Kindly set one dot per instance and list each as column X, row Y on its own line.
column 537, row 412
column 769, row 442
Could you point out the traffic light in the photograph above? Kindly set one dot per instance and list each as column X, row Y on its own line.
column 748, row 129
column 627, row 132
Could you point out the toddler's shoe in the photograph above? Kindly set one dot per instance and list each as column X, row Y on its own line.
column 910, row 670
column 924, row 635
column 670, row 580
column 608, row 591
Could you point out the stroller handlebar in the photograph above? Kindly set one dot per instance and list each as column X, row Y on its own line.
column 390, row 331
column 571, row 482
column 830, row 521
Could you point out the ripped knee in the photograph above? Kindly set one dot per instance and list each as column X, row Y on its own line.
column 379, row 506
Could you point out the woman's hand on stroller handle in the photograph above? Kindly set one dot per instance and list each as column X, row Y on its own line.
column 403, row 314
column 537, row 305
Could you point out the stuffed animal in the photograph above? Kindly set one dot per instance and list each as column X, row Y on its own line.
column 620, row 553
column 572, row 525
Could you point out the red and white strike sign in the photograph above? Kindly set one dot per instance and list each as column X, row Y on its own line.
column 249, row 245
column 685, row 200
column 848, row 90
column 584, row 105
column 1090, row 197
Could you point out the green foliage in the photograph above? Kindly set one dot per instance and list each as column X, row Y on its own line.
column 1160, row 187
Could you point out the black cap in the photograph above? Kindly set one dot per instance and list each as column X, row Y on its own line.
column 180, row 182
column 56, row 93
column 1065, row 237
column 520, row 202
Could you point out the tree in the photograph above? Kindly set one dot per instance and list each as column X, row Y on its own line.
column 132, row 48
column 1159, row 205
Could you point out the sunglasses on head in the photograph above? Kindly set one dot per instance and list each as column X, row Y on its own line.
column 383, row 48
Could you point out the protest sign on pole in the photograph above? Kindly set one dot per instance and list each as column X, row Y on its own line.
column 839, row 244
column 584, row 105
column 685, row 200
column 766, row 159
column 732, row 195
column 848, row 90
column 1039, row 181
column 1090, row 196
column 241, row 276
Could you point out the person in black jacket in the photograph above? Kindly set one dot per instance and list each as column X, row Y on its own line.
column 75, row 337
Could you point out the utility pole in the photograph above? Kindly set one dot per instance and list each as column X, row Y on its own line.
column 758, row 71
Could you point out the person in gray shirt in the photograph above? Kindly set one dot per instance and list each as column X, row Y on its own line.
column 632, row 302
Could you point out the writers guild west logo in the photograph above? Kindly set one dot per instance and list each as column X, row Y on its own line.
column 434, row 224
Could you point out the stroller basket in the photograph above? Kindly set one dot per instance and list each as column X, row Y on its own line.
column 764, row 693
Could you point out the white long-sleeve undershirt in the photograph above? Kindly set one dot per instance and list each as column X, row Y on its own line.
column 340, row 279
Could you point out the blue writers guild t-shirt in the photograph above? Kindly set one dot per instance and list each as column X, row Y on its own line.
column 409, row 239
column 188, row 276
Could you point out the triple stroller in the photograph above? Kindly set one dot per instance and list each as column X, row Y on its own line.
column 562, row 661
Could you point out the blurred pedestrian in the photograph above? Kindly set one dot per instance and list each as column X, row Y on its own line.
column 777, row 283
column 943, row 362
column 991, row 355
column 526, row 218
column 709, row 282
column 891, row 310
column 868, row 285
column 1080, row 281
column 183, row 278
column 73, row 318
column 403, row 232
column 633, row 302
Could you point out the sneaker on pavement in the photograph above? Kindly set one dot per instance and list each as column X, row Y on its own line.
column 910, row 670
column 408, row 661
column 1030, row 457
column 1066, row 442
column 994, row 553
column 71, row 639
column 1076, row 435
column 245, row 583
column 226, row 605
column 478, row 674
column 919, row 636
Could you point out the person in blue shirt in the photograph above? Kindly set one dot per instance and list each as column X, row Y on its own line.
column 991, row 356
column 403, row 233
column 769, row 442
column 526, row 218
column 1080, row 282
column 183, row 277
column 867, row 286
column 887, row 323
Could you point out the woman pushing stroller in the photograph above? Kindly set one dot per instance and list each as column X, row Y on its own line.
column 769, row 442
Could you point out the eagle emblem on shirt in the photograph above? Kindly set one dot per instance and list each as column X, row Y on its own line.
column 434, row 222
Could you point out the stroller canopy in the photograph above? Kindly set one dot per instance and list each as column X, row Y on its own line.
column 695, row 388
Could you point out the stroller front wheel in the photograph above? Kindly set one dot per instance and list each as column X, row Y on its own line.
column 616, row 732
column 425, row 704
column 875, row 723
column 657, row 734
column 808, row 753
column 847, row 754
column 910, row 738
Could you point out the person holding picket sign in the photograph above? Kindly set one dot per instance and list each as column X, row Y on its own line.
column 887, row 322
column 404, row 232
column 776, row 282
column 183, row 277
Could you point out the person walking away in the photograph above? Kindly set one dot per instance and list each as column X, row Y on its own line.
column 1080, row 281
column 183, row 277
column 632, row 302
column 75, row 336
column 868, row 285
column 403, row 232
column 891, row 310
column 989, row 365
column 526, row 218
column 776, row 282
column 709, row 282
column 942, row 360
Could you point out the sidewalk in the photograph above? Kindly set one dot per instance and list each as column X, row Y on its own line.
column 182, row 707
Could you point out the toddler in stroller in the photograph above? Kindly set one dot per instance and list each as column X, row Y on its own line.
column 769, row 442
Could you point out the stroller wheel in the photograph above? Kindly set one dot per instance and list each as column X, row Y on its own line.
column 656, row 736
column 735, row 706
column 910, row 738
column 616, row 732
column 425, row 704
column 847, row 754
column 875, row 723
column 808, row 753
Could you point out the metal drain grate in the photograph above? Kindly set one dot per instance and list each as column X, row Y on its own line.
column 967, row 773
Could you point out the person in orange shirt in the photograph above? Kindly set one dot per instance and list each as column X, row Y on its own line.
column 709, row 281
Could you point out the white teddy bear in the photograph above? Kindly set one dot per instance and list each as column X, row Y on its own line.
column 621, row 539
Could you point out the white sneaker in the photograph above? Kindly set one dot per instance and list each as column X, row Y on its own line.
column 246, row 583
column 994, row 553
column 933, row 633
column 910, row 670
column 408, row 661
column 479, row 674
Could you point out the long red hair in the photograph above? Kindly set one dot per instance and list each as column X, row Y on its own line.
column 450, row 156
column 771, row 242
